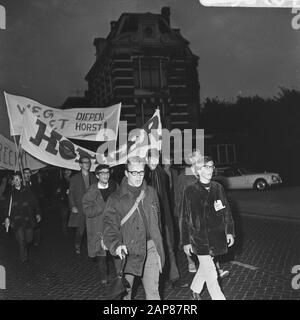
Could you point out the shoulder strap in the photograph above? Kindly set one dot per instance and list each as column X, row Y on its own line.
column 131, row 211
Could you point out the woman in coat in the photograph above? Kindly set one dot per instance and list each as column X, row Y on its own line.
column 24, row 214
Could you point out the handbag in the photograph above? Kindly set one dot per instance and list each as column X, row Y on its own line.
column 118, row 286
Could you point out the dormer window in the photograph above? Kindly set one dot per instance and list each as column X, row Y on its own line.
column 163, row 27
column 148, row 31
column 131, row 24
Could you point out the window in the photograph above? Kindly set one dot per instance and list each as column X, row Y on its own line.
column 163, row 28
column 131, row 24
column 149, row 73
column 231, row 153
column 148, row 31
column 223, row 153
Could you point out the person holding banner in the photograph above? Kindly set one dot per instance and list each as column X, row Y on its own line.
column 93, row 202
column 3, row 187
column 23, row 214
column 79, row 183
column 35, row 187
column 132, row 226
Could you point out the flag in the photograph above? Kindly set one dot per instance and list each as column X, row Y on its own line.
column 138, row 143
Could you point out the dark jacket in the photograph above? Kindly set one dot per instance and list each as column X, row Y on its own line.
column 34, row 186
column 93, row 208
column 200, row 224
column 24, row 208
column 132, row 233
column 62, row 191
column 159, row 180
column 185, row 178
column 76, row 191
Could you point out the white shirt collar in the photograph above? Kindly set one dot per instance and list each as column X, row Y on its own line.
column 100, row 186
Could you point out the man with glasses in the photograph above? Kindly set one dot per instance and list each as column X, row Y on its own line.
column 93, row 202
column 132, row 227
column 79, row 184
column 206, row 227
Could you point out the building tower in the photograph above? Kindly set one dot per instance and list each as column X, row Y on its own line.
column 144, row 63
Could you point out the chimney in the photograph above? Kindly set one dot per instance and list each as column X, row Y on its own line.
column 112, row 25
column 100, row 44
column 165, row 12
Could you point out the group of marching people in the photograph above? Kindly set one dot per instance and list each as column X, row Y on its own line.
column 142, row 219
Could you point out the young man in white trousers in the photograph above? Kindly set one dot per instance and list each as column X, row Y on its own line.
column 206, row 227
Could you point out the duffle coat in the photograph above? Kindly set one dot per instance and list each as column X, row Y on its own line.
column 76, row 191
column 133, row 232
column 93, row 209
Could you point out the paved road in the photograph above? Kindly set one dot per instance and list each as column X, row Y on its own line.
column 281, row 202
column 260, row 267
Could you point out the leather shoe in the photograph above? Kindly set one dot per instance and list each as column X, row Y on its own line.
column 195, row 296
column 104, row 283
column 179, row 284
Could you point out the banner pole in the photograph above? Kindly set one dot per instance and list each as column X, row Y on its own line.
column 15, row 141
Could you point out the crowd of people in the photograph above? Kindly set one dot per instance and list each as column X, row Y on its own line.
column 136, row 218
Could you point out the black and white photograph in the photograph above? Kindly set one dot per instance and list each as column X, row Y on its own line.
column 149, row 150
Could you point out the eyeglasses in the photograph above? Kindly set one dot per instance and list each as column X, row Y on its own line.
column 209, row 167
column 104, row 173
column 134, row 173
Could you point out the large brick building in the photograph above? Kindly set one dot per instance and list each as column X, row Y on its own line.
column 145, row 63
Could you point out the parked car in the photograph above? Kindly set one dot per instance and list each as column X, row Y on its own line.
column 241, row 178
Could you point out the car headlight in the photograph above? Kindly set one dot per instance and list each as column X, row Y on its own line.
column 276, row 178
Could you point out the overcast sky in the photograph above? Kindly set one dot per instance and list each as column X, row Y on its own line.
column 47, row 48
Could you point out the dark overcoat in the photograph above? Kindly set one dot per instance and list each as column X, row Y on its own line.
column 201, row 225
column 185, row 178
column 133, row 232
column 24, row 208
column 93, row 208
column 158, row 179
column 76, row 191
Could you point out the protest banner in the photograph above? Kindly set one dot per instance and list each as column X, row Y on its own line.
column 94, row 124
column 138, row 143
column 9, row 157
column 44, row 143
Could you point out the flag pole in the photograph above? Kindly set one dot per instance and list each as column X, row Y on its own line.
column 14, row 137
column 18, row 157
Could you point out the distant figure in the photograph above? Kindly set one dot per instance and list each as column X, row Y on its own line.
column 63, row 201
column 35, row 187
column 24, row 214
column 79, row 184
